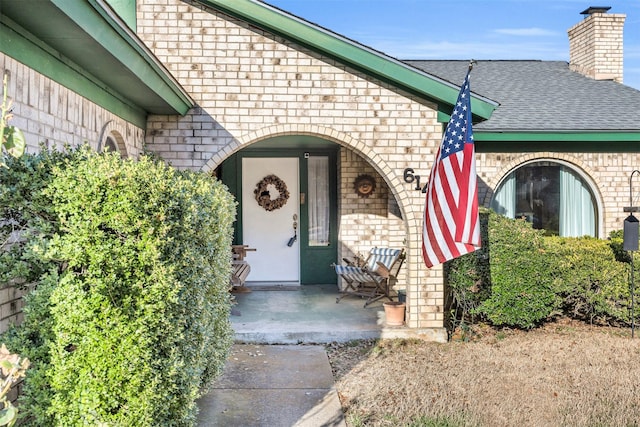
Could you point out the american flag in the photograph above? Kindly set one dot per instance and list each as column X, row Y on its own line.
column 451, row 225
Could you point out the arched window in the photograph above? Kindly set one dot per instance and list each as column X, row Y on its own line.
column 551, row 196
column 113, row 142
column 110, row 144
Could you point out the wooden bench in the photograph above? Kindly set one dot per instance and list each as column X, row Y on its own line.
column 240, row 268
column 239, row 272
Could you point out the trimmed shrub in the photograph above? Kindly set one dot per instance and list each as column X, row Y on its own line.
column 468, row 280
column 135, row 322
column 592, row 284
column 26, row 215
column 533, row 277
column 522, row 291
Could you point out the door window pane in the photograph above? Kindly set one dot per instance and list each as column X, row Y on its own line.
column 318, row 201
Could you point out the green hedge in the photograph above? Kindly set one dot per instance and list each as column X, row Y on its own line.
column 469, row 280
column 522, row 291
column 594, row 286
column 133, row 322
column 534, row 278
column 25, row 210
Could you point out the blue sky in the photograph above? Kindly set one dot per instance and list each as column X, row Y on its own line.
column 467, row 29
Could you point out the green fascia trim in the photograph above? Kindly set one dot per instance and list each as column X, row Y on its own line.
column 27, row 49
column 126, row 9
column 348, row 52
column 92, row 17
column 558, row 136
column 558, row 142
column 443, row 117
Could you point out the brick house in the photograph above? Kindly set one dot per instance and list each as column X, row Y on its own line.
column 243, row 90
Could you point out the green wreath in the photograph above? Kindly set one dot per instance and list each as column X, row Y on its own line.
column 263, row 197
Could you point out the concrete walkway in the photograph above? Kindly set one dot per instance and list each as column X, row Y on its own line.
column 273, row 386
column 270, row 380
column 268, row 384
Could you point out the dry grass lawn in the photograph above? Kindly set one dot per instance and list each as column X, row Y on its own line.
column 564, row 374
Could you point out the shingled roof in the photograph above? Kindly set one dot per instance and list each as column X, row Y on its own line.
column 543, row 96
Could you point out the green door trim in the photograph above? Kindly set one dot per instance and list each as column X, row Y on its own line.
column 232, row 177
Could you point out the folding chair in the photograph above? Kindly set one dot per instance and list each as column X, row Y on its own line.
column 375, row 278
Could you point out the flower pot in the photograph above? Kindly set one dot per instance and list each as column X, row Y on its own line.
column 394, row 312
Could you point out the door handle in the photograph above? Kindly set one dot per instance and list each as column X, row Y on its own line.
column 295, row 231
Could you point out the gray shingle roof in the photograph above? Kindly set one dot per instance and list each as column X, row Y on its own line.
column 543, row 96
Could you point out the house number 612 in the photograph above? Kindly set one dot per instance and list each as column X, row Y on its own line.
column 410, row 177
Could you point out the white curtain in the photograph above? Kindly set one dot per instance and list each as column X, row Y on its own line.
column 504, row 200
column 577, row 212
column 318, row 201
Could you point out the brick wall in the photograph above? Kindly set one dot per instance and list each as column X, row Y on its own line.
column 51, row 114
column 250, row 86
column 375, row 221
column 11, row 304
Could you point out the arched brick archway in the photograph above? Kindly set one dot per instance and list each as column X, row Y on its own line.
column 393, row 180
column 418, row 297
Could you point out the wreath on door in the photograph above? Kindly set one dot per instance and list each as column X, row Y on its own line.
column 263, row 196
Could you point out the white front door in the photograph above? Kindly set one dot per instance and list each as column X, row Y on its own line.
column 269, row 232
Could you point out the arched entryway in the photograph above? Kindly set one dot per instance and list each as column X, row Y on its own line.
column 390, row 218
column 287, row 194
column 333, row 219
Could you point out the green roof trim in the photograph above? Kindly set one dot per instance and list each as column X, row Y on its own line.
column 556, row 136
column 126, row 9
column 556, row 142
column 357, row 56
column 88, row 48
column 94, row 19
column 26, row 48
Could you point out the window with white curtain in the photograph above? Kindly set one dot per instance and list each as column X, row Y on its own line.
column 551, row 196
column 318, row 200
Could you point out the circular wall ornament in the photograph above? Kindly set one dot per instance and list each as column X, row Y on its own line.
column 263, row 195
column 364, row 185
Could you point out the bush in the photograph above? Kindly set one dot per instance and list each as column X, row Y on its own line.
column 468, row 280
column 533, row 278
column 616, row 242
column 522, row 292
column 134, row 324
column 26, row 215
column 592, row 284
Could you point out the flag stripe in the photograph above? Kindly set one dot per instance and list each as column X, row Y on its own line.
column 464, row 234
column 451, row 224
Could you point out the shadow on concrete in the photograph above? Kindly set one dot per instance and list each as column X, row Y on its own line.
column 303, row 314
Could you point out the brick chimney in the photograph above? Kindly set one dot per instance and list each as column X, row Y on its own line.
column 595, row 44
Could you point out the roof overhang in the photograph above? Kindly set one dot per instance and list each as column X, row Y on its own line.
column 350, row 53
column 86, row 47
